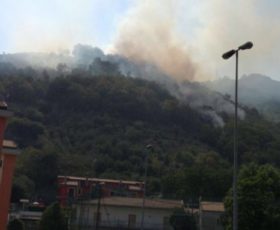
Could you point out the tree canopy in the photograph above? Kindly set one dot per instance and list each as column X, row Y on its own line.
column 258, row 198
column 94, row 122
column 53, row 218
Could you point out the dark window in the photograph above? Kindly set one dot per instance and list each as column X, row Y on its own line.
column 71, row 192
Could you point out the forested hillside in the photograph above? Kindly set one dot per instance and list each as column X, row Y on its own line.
column 97, row 125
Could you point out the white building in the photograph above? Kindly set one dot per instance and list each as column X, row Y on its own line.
column 125, row 213
column 210, row 214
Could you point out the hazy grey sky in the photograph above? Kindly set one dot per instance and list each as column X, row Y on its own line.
column 197, row 32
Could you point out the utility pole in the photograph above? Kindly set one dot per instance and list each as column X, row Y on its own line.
column 99, row 191
column 148, row 147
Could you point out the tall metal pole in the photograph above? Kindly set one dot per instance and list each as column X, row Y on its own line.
column 235, row 143
column 98, row 207
column 144, row 190
column 148, row 148
column 227, row 55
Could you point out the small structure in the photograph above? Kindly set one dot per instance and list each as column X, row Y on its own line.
column 125, row 213
column 210, row 215
column 29, row 213
column 8, row 154
column 71, row 189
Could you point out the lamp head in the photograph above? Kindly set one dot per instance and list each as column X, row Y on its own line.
column 247, row 45
column 228, row 54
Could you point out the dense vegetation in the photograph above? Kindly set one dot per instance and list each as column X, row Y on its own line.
column 258, row 198
column 78, row 123
column 53, row 218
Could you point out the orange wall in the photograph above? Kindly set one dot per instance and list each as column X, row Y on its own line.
column 2, row 128
column 5, row 188
column 5, row 183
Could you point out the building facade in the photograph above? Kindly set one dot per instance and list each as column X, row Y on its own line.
column 210, row 214
column 72, row 189
column 8, row 154
column 124, row 213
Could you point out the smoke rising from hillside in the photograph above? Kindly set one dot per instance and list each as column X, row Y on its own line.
column 226, row 25
column 184, row 38
column 149, row 34
column 92, row 60
column 187, row 38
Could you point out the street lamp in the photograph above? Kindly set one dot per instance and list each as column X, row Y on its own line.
column 227, row 55
column 148, row 148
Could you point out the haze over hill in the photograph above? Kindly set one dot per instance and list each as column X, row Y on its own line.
column 177, row 36
column 85, row 57
column 255, row 90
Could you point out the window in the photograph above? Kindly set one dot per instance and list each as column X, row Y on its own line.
column 71, row 192
column 82, row 183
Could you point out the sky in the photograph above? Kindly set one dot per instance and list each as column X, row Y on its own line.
column 50, row 25
column 185, row 38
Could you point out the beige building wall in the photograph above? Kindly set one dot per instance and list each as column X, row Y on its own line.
column 123, row 216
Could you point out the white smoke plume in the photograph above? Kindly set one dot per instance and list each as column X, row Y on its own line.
column 149, row 34
column 187, row 38
column 184, row 38
column 228, row 24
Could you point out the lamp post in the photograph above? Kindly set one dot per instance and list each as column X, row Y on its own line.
column 227, row 55
column 148, row 147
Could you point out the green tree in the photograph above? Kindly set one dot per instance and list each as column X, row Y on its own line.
column 16, row 224
column 41, row 168
column 23, row 187
column 24, row 131
column 258, row 199
column 53, row 218
column 208, row 176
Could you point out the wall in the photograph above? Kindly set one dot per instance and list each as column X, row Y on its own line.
column 211, row 221
column 5, row 187
column 118, row 216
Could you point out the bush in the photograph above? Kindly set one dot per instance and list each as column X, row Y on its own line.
column 53, row 218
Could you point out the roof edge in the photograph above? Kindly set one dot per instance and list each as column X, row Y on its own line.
column 6, row 113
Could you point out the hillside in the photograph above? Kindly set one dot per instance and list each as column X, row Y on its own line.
column 255, row 90
column 84, row 124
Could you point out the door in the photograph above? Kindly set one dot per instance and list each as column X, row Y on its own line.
column 131, row 221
